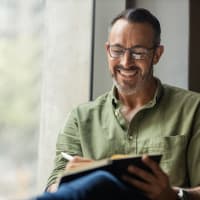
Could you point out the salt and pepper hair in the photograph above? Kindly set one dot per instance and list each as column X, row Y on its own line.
column 141, row 15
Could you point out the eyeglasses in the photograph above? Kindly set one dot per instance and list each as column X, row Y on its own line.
column 137, row 53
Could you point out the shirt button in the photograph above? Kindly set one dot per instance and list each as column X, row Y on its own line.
column 116, row 113
column 130, row 137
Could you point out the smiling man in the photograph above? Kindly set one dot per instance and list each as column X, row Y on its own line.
column 132, row 67
column 139, row 116
column 133, row 49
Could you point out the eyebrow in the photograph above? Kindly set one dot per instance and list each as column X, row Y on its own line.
column 135, row 46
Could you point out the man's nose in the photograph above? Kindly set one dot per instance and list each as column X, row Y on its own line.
column 126, row 59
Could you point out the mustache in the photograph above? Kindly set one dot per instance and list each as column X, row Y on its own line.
column 121, row 67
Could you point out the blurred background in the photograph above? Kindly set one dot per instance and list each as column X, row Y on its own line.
column 21, row 50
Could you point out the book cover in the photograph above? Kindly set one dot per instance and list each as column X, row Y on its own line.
column 115, row 165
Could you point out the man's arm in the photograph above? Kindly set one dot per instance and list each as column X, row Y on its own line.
column 76, row 162
column 67, row 141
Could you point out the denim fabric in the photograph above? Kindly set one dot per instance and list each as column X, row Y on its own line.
column 98, row 185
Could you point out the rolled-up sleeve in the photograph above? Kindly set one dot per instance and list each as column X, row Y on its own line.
column 67, row 141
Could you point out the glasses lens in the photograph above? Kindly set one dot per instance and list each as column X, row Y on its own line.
column 116, row 51
column 139, row 50
column 137, row 53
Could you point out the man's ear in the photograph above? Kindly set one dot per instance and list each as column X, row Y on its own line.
column 158, row 53
column 106, row 46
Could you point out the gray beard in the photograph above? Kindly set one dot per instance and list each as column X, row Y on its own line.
column 128, row 90
column 122, row 90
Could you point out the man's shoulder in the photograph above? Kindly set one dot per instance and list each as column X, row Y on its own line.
column 180, row 93
column 96, row 104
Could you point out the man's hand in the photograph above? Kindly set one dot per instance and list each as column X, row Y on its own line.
column 53, row 187
column 77, row 162
column 156, row 185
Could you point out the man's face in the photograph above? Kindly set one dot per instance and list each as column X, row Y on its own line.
column 129, row 73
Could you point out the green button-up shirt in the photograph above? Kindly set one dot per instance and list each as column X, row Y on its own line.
column 169, row 125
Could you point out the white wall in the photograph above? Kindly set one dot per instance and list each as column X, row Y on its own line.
column 174, row 19
column 65, row 72
column 106, row 10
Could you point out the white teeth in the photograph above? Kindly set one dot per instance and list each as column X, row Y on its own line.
column 128, row 73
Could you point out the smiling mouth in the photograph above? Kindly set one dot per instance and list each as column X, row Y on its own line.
column 127, row 73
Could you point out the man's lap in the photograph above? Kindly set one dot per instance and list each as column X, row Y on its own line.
column 95, row 186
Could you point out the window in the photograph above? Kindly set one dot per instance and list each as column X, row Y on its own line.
column 21, row 28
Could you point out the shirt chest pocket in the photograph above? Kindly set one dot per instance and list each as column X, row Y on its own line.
column 173, row 150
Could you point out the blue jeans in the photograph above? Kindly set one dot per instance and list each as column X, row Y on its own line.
column 98, row 185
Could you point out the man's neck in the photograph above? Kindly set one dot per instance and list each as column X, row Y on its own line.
column 131, row 104
column 140, row 97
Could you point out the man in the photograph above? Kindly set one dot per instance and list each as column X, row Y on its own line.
column 140, row 115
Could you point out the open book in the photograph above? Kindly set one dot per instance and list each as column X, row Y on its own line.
column 117, row 165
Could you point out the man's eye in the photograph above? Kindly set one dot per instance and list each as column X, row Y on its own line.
column 139, row 51
column 137, row 56
column 119, row 51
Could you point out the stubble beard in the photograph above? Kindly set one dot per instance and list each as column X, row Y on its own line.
column 128, row 88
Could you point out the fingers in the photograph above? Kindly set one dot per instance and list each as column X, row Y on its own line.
column 77, row 162
column 154, row 184
column 146, row 176
column 154, row 177
column 156, row 170
column 80, row 159
column 136, row 183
